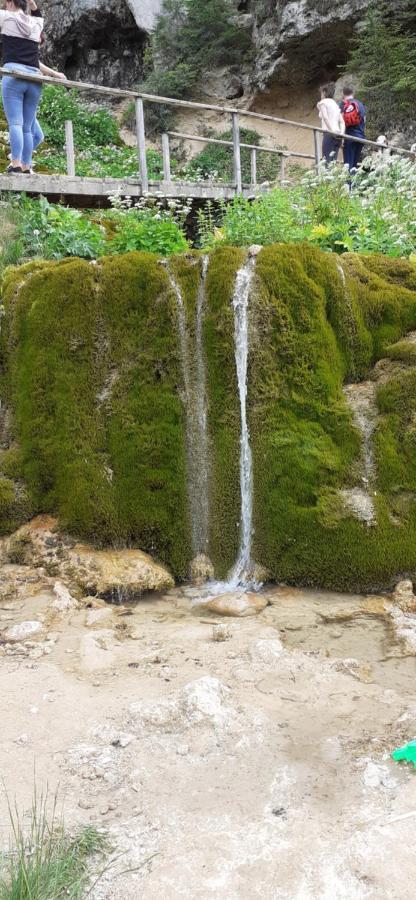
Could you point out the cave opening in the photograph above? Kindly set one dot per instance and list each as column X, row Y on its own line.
column 105, row 49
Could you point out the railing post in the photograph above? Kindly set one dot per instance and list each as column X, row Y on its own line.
column 253, row 165
column 141, row 145
column 317, row 147
column 237, row 154
column 69, row 146
column 166, row 158
column 282, row 170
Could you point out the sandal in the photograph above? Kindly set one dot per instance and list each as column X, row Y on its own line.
column 14, row 170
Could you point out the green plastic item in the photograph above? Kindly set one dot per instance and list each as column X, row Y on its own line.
column 406, row 753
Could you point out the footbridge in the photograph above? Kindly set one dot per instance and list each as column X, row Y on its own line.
column 85, row 191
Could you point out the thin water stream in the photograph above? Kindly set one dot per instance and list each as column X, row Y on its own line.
column 194, row 381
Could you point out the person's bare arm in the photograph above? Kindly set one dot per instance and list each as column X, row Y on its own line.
column 51, row 73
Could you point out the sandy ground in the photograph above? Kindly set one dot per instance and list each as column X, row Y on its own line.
column 254, row 767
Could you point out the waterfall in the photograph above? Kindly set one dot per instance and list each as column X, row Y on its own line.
column 241, row 571
column 194, row 380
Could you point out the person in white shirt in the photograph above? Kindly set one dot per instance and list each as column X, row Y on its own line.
column 332, row 122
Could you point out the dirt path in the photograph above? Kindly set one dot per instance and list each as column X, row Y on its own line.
column 237, row 769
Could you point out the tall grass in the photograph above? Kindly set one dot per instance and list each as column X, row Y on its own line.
column 44, row 860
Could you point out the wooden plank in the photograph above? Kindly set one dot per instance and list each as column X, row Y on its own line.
column 236, row 154
column 72, row 186
column 141, row 145
column 166, row 158
column 317, row 147
column 253, row 167
column 69, row 147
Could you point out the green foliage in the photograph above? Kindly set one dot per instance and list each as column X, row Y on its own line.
column 104, row 162
column 216, row 162
column 53, row 231
column 373, row 214
column 384, row 59
column 146, row 232
column 45, row 861
column 92, row 127
column 190, row 37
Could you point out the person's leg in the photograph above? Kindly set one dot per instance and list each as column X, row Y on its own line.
column 326, row 147
column 358, row 149
column 13, row 93
column 30, row 105
column 334, row 149
column 348, row 159
column 37, row 134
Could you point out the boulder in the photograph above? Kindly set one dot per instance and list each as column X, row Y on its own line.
column 236, row 604
column 80, row 568
column 116, row 573
column 23, row 631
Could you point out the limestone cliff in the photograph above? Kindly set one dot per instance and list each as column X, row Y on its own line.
column 294, row 41
column 99, row 40
column 298, row 41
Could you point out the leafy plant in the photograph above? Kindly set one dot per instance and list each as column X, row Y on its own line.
column 52, row 231
column 147, row 229
column 92, row 127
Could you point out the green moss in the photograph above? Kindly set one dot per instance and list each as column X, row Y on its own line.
column 92, row 373
column 14, row 505
column 146, row 417
column 305, row 446
column 223, row 410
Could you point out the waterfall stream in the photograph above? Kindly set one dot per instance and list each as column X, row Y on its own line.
column 241, row 571
column 194, row 381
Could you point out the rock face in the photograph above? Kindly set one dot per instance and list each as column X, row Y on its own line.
column 297, row 42
column 99, row 40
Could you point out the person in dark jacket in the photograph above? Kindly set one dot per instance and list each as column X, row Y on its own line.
column 21, row 26
column 354, row 115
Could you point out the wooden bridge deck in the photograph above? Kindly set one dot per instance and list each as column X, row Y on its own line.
column 96, row 190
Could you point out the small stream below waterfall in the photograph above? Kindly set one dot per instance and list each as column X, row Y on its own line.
column 354, row 629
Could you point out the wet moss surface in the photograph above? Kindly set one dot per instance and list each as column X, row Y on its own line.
column 91, row 370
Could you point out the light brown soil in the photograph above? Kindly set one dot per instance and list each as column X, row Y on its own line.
column 230, row 769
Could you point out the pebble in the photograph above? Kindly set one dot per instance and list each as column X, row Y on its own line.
column 221, row 633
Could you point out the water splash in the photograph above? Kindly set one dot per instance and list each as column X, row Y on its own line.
column 194, row 380
column 240, row 575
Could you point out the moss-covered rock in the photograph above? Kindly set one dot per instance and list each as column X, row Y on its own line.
column 91, row 368
column 92, row 374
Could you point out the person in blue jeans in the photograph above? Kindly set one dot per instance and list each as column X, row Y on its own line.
column 354, row 115
column 21, row 26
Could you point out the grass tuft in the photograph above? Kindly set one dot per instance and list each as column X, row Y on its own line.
column 44, row 860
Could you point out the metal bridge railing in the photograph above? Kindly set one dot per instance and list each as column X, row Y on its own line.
column 235, row 144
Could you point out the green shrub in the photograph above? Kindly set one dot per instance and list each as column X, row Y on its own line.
column 52, row 231
column 216, row 161
column 92, row 127
column 104, row 162
column 156, row 235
